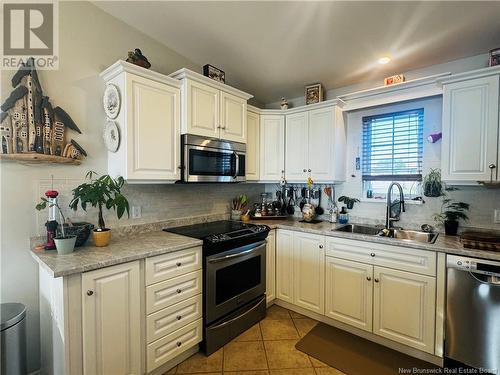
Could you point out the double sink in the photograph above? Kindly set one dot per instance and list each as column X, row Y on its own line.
column 400, row 234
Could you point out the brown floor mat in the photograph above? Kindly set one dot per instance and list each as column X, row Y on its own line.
column 355, row 355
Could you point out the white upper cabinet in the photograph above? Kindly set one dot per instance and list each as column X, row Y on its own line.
column 296, row 147
column 470, row 129
column 212, row 109
column 233, row 118
column 315, row 145
column 202, row 110
column 253, row 146
column 149, row 125
column 272, row 144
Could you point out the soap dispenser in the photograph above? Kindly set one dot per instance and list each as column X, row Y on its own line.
column 343, row 216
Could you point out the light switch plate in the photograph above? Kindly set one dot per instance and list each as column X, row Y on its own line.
column 496, row 216
column 136, row 212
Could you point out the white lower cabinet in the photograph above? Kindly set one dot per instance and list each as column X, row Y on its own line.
column 271, row 266
column 284, row 265
column 404, row 307
column 300, row 269
column 349, row 292
column 350, row 285
column 309, row 271
column 111, row 320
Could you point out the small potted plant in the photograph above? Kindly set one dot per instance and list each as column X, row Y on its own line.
column 349, row 202
column 451, row 212
column 65, row 243
column 432, row 185
column 104, row 191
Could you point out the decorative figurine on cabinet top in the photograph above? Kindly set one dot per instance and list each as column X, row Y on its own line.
column 138, row 58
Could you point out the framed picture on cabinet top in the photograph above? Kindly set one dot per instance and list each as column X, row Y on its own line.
column 314, row 93
column 214, row 73
column 494, row 57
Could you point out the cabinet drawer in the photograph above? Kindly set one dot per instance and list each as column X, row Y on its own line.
column 163, row 267
column 398, row 257
column 163, row 350
column 169, row 292
column 168, row 320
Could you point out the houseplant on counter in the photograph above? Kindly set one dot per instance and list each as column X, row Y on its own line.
column 104, row 191
column 432, row 184
column 451, row 212
column 348, row 201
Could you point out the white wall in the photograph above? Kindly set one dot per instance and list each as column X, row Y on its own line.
column 90, row 40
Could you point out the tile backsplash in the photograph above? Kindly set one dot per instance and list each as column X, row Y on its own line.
column 157, row 202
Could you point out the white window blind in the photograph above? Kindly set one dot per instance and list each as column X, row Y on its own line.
column 393, row 146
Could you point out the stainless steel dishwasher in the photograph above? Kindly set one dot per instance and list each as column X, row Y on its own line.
column 473, row 312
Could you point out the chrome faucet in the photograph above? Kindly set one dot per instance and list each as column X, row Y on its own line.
column 388, row 215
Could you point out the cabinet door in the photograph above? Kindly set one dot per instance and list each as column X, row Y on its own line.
column 296, row 147
column 153, row 131
column 202, row 109
column 272, row 143
column 322, row 144
column 233, row 112
column 470, row 129
column 284, row 265
column 309, row 271
column 253, row 142
column 404, row 307
column 349, row 292
column 271, row 266
column 111, row 320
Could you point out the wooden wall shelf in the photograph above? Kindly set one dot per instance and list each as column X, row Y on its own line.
column 34, row 158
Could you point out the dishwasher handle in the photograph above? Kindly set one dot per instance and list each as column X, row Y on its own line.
column 493, row 280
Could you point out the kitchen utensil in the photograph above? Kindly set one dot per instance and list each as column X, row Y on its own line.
column 319, row 209
column 290, row 209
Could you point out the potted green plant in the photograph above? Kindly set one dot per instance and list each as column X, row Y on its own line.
column 65, row 243
column 432, row 185
column 349, row 202
column 100, row 192
column 451, row 212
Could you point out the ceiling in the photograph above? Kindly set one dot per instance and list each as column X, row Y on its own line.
column 274, row 49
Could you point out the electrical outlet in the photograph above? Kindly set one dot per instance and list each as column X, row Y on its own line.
column 496, row 216
column 136, row 212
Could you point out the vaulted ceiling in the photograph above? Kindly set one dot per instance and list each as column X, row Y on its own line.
column 273, row 49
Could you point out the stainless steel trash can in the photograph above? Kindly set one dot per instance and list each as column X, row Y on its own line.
column 12, row 339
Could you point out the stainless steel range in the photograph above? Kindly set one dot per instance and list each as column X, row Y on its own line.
column 234, row 274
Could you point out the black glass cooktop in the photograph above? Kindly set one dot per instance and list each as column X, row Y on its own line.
column 203, row 230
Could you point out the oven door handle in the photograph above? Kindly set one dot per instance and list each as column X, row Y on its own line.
column 237, row 164
column 237, row 255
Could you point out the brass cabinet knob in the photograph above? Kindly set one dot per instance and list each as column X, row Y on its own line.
column 179, row 343
column 376, row 280
column 179, row 290
column 372, row 254
column 90, row 292
column 179, row 264
column 305, row 170
column 179, row 317
column 320, row 246
column 368, row 278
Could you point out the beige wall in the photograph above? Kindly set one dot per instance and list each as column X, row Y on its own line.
column 90, row 41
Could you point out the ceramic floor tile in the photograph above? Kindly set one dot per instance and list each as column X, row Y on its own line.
column 328, row 371
column 281, row 354
column 200, row 363
column 296, row 315
column 277, row 312
column 282, row 329
column 317, row 362
column 244, row 356
column 251, row 334
column 304, row 325
column 251, row 372
column 293, row 371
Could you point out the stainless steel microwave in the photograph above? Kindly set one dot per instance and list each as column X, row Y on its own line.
column 212, row 160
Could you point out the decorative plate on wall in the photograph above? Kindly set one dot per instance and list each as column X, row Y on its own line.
column 111, row 136
column 111, row 101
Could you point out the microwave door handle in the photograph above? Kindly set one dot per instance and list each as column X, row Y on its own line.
column 237, row 165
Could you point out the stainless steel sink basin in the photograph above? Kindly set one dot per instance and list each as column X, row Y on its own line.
column 413, row 235
column 400, row 234
column 359, row 229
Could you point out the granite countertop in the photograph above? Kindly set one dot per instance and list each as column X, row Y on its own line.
column 121, row 250
column 445, row 244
